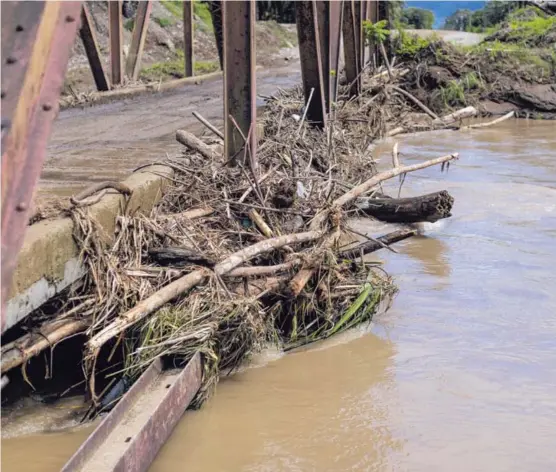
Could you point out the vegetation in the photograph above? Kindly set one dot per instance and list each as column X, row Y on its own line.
column 417, row 18
column 376, row 32
column 175, row 69
column 164, row 22
column 409, row 45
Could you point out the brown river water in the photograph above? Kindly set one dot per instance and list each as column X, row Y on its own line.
column 459, row 375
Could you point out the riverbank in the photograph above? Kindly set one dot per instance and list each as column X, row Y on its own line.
column 514, row 68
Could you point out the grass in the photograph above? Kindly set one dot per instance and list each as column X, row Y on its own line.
column 200, row 10
column 164, row 22
column 287, row 39
column 410, row 44
column 175, row 69
column 129, row 24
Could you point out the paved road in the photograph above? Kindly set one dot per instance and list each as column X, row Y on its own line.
column 458, row 37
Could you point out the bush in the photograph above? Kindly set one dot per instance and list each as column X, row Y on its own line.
column 409, row 44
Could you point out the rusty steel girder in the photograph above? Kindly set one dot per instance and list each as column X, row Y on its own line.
column 240, row 90
column 311, row 61
column 37, row 38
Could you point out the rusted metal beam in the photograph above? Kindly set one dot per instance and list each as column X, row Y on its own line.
column 133, row 65
column 130, row 436
column 115, row 33
column 372, row 16
column 336, row 15
column 43, row 58
column 188, row 30
column 87, row 33
column 323, row 24
column 240, row 89
column 351, row 46
column 216, row 15
column 311, row 61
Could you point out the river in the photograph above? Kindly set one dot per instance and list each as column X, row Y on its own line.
column 459, row 375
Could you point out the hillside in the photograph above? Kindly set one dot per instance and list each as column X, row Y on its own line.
column 163, row 56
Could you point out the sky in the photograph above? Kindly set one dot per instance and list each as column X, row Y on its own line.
column 443, row 9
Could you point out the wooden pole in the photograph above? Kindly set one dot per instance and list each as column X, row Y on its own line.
column 238, row 32
column 311, row 64
column 37, row 38
column 87, row 33
column 133, row 65
column 116, row 40
column 188, row 30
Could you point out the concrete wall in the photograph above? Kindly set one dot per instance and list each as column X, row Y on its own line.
column 49, row 259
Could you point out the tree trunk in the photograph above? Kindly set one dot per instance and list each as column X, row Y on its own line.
column 431, row 208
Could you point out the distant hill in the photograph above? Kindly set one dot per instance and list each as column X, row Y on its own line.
column 443, row 9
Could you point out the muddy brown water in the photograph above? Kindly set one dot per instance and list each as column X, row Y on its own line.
column 459, row 375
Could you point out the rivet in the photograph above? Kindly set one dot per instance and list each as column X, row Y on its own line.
column 2, row 94
column 19, row 28
column 11, row 60
column 70, row 19
column 21, row 206
column 47, row 107
column 5, row 124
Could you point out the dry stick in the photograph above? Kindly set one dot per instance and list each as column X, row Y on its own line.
column 32, row 344
column 261, row 223
column 381, row 242
column 395, row 131
column 305, row 111
column 417, row 102
column 457, row 115
column 183, row 284
column 209, row 125
column 264, row 270
column 193, row 143
column 386, row 61
column 250, row 189
column 507, row 116
column 303, row 276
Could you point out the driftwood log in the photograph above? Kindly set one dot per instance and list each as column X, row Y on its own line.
column 378, row 243
column 431, row 207
column 179, row 257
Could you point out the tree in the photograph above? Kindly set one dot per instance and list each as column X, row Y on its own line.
column 417, row 18
column 460, row 20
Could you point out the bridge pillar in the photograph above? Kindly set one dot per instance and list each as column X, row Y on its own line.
column 115, row 34
column 188, row 37
column 352, row 31
column 311, row 61
column 238, row 33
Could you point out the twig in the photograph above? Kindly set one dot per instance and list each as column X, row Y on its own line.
column 507, row 116
column 386, row 61
column 210, row 126
column 305, row 111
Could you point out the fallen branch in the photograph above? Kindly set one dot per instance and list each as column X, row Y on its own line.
column 380, row 242
column 303, row 276
column 417, row 102
column 466, row 112
column 187, row 282
column 31, row 344
column 431, row 207
column 193, row 143
column 209, row 125
column 507, row 116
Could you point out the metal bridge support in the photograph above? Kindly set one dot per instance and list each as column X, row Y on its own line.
column 311, row 61
column 323, row 23
column 351, row 28
column 138, row 37
column 188, row 37
column 216, row 15
column 336, row 15
column 116, row 41
column 372, row 16
column 87, row 33
column 240, row 89
column 37, row 38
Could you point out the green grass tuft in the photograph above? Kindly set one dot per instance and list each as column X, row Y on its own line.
column 164, row 22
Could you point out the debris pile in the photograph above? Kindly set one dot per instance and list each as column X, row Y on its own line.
column 241, row 254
